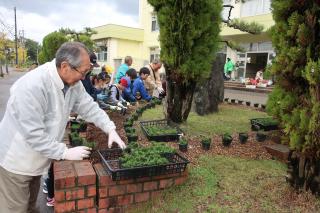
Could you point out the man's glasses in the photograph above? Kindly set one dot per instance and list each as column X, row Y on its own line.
column 82, row 74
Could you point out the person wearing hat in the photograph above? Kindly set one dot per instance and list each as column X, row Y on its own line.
column 33, row 125
column 87, row 82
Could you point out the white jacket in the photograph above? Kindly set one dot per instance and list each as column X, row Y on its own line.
column 33, row 126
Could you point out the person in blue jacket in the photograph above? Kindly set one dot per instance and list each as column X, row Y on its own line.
column 123, row 68
column 138, row 85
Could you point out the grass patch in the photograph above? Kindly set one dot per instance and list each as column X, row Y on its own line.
column 225, row 184
column 230, row 118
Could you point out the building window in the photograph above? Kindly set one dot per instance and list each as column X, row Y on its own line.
column 255, row 7
column 154, row 53
column 154, row 23
column 102, row 55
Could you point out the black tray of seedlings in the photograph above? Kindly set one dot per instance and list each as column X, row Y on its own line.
column 161, row 130
column 265, row 124
column 111, row 162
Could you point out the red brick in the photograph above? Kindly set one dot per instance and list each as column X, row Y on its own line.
column 62, row 166
column 103, row 177
column 143, row 179
column 165, row 183
column 91, row 191
column 59, row 195
column 107, row 202
column 65, row 207
column 159, row 177
column 125, row 200
column 82, row 211
column 85, row 203
column 103, row 192
column 85, row 172
column 147, row 186
column 155, row 194
column 103, row 211
column 74, row 194
column 132, row 188
column 141, row 197
column 64, row 179
column 92, row 210
column 123, row 182
column 180, row 180
column 117, row 190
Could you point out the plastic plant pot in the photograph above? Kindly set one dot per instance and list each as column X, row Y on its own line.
column 248, row 103
column 206, row 143
column 226, row 99
column 243, row 137
column 226, row 139
column 261, row 137
column 256, row 105
column 233, row 101
column 240, row 102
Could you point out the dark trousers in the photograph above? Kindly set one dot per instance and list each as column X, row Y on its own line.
column 50, row 182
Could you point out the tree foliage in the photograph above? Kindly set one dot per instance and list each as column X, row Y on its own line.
column 32, row 47
column 51, row 44
column 189, row 36
column 296, row 99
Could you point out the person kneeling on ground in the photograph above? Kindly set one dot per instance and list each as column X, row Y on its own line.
column 116, row 98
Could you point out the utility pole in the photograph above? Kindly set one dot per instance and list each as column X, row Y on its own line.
column 15, row 34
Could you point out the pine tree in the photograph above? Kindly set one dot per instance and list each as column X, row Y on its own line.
column 296, row 99
column 189, row 36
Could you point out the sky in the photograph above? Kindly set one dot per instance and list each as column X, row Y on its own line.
column 37, row 18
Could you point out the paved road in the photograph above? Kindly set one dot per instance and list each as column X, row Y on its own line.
column 5, row 84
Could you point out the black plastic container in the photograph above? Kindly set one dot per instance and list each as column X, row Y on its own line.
column 243, row 137
column 261, row 137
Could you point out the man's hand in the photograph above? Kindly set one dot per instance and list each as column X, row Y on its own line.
column 76, row 153
column 114, row 137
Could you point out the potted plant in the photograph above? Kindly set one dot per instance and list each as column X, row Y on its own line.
column 132, row 137
column 261, row 136
column 243, row 137
column 75, row 127
column 129, row 130
column 206, row 142
column 83, row 126
column 183, row 145
column 256, row 105
column 226, row 99
column 240, row 102
column 248, row 103
column 139, row 111
column 135, row 116
column 226, row 139
column 233, row 101
column 128, row 124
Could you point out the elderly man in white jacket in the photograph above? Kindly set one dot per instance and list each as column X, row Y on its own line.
column 33, row 126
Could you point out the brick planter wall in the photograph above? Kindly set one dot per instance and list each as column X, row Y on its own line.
column 81, row 187
column 74, row 186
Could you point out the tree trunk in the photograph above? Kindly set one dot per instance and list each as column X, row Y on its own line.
column 179, row 97
column 304, row 172
column 209, row 95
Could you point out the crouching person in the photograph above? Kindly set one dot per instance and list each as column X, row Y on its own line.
column 34, row 123
column 138, row 85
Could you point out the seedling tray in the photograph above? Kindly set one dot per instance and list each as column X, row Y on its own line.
column 110, row 160
column 261, row 122
column 160, row 137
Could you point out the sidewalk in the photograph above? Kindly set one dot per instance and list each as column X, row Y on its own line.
column 5, row 84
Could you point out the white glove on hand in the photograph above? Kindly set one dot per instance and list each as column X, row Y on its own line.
column 128, row 103
column 76, row 153
column 113, row 107
column 160, row 90
column 119, row 104
column 114, row 137
column 118, row 108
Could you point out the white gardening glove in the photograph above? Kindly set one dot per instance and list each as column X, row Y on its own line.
column 119, row 104
column 128, row 103
column 114, row 137
column 118, row 108
column 76, row 153
column 113, row 107
column 160, row 90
